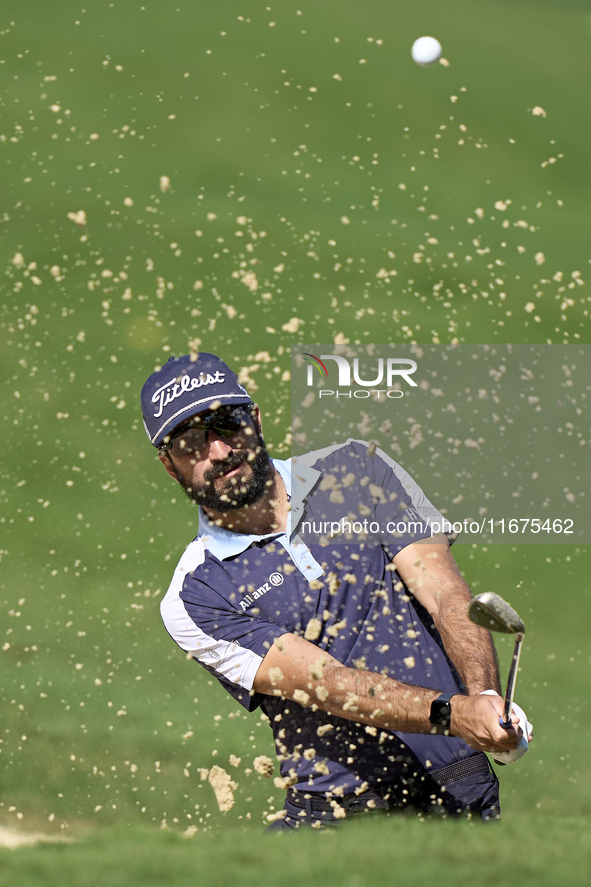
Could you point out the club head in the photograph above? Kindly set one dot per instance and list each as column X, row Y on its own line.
column 490, row 611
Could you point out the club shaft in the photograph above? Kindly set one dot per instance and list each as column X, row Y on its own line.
column 512, row 677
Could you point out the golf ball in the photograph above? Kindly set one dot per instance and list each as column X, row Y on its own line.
column 426, row 51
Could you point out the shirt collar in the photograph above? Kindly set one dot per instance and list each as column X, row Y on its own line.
column 225, row 543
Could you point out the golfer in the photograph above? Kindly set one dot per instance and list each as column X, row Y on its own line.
column 354, row 643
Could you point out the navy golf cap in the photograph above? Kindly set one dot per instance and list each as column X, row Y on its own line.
column 184, row 387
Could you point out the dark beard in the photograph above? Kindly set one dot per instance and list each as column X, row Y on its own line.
column 239, row 492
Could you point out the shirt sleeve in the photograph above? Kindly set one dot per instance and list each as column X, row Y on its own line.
column 199, row 614
column 402, row 510
column 363, row 493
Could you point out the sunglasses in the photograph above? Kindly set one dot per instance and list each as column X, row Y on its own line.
column 192, row 437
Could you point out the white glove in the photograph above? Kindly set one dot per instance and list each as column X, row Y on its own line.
column 509, row 757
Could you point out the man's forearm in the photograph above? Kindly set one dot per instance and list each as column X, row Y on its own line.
column 295, row 669
column 430, row 572
column 469, row 647
column 371, row 698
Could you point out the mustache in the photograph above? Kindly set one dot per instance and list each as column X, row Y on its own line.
column 233, row 461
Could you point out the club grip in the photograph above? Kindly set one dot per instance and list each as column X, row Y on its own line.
column 506, row 725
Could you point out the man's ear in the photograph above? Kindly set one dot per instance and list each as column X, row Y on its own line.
column 256, row 418
column 166, row 461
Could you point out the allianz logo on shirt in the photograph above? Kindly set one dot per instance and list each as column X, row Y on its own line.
column 275, row 579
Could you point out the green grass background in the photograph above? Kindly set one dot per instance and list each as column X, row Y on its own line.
column 278, row 169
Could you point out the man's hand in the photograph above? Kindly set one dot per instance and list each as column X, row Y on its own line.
column 509, row 757
column 476, row 719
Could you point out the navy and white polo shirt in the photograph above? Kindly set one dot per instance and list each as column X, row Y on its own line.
column 232, row 595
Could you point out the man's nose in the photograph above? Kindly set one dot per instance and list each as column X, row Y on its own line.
column 219, row 447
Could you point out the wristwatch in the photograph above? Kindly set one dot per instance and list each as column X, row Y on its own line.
column 440, row 715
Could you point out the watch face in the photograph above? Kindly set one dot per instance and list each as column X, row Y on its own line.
column 440, row 712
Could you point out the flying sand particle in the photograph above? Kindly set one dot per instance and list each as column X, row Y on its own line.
column 313, row 629
column 223, row 787
column 263, row 765
column 79, row 217
column 292, row 326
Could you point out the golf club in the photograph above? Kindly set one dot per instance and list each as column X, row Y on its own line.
column 490, row 611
